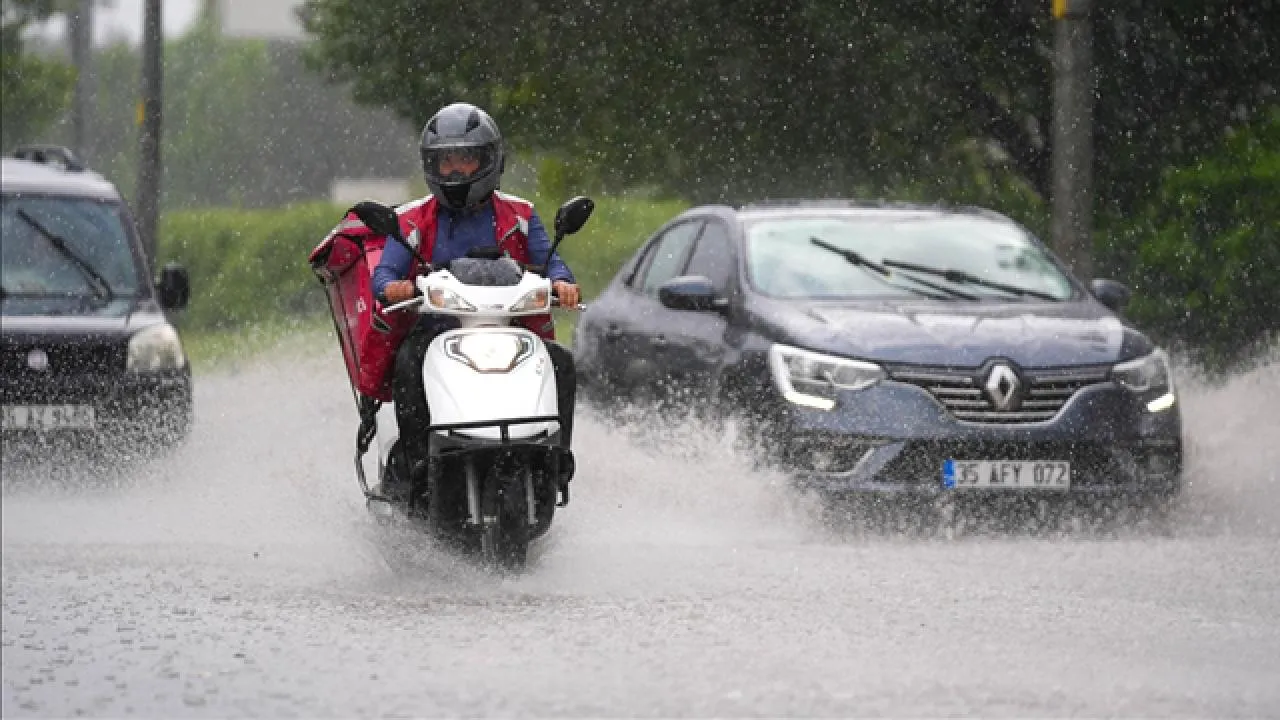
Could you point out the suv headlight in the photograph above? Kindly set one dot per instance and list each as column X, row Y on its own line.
column 1150, row 378
column 489, row 352
column 812, row 379
column 445, row 299
column 534, row 300
column 155, row 348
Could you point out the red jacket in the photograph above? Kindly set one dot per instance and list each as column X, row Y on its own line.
column 344, row 261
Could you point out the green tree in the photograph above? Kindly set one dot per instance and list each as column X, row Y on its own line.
column 741, row 98
column 1203, row 255
column 245, row 124
column 33, row 90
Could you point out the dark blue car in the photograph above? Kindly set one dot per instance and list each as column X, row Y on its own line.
column 890, row 349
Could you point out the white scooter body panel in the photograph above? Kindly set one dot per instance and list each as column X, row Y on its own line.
column 458, row 392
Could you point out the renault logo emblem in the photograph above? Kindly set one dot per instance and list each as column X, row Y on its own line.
column 38, row 359
column 1002, row 387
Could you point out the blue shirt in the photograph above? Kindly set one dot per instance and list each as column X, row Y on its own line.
column 456, row 233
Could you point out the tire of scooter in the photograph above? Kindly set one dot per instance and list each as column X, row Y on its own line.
column 507, row 545
column 447, row 506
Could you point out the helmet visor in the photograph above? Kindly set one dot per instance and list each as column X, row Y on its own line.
column 450, row 165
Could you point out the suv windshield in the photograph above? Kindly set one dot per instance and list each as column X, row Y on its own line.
column 64, row 247
column 791, row 257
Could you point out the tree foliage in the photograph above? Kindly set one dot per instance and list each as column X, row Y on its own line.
column 1204, row 253
column 733, row 98
column 245, row 124
column 33, row 90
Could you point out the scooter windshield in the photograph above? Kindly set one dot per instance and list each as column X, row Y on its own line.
column 502, row 272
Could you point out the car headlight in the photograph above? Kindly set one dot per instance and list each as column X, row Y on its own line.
column 155, row 348
column 812, row 379
column 1150, row 378
column 534, row 300
column 445, row 299
column 489, row 352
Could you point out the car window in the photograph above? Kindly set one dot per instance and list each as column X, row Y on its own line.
column 713, row 256
column 783, row 261
column 93, row 232
column 667, row 259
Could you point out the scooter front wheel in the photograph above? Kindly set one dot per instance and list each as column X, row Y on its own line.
column 504, row 537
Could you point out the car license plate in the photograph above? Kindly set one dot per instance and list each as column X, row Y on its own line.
column 48, row 417
column 1017, row 474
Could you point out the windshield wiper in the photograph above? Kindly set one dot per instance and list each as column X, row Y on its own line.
column 100, row 285
column 857, row 259
column 960, row 276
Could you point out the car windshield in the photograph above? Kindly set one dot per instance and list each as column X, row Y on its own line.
column 794, row 257
column 64, row 247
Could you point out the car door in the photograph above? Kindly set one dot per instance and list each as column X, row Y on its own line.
column 639, row 337
column 690, row 344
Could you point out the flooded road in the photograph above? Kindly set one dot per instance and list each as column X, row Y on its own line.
column 241, row 576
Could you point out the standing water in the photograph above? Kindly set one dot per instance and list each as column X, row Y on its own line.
column 241, row 575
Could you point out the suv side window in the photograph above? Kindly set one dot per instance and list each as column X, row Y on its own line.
column 713, row 258
column 667, row 258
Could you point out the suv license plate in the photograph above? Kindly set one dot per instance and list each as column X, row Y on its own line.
column 48, row 417
column 1018, row 474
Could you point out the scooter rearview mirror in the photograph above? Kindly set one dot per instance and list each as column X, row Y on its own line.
column 378, row 218
column 573, row 215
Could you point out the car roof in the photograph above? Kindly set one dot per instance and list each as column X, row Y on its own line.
column 20, row 176
column 863, row 209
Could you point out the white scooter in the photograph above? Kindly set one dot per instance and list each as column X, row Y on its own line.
column 496, row 467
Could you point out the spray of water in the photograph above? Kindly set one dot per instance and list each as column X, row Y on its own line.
column 265, row 483
column 1232, row 436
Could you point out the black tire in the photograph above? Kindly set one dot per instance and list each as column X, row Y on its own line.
column 505, row 545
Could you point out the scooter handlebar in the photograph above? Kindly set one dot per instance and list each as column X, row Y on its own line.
column 414, row 301
column 555, row 302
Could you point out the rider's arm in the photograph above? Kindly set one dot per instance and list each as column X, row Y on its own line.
column 394, row 265
column 540, row 245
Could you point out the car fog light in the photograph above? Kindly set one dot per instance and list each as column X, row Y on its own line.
column 1159, row 464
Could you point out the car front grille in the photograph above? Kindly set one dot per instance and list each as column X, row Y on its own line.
column 66, row 359
column 1042, row 391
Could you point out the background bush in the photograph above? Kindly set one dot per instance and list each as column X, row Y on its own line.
column 1203, row 256
column 247, row 266
column 250, row 266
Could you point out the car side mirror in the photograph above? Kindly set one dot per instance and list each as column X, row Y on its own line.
column 573, row 215
column 378, row 218
column 1110, row 293
column 174, row 289
column 691, row 292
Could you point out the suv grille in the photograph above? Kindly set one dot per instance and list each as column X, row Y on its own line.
column 962, row 393
column 65, row 358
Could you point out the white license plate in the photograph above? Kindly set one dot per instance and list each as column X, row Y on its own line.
column 48, row 417
column 1018, row 474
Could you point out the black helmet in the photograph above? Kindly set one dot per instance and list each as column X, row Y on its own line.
column 462, row 133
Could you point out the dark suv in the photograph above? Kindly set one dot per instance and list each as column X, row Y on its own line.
column 86, row 350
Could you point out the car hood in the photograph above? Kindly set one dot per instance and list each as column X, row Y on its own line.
column 120, row 319
column 961, row 335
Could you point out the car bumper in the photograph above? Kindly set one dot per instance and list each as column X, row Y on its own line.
column 893, row 438
column 130, row 407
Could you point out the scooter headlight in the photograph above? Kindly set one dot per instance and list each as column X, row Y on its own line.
column 489, row 352
column 1150, row 378
column 812, row 379
column 538, row 299
column 445, row 299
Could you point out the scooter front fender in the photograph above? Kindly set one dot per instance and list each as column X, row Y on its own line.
column 463, row 389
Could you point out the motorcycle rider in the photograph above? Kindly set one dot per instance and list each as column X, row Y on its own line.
column 462, row 160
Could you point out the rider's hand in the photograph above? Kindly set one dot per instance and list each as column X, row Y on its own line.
column 398, row 291
column 568, row 294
